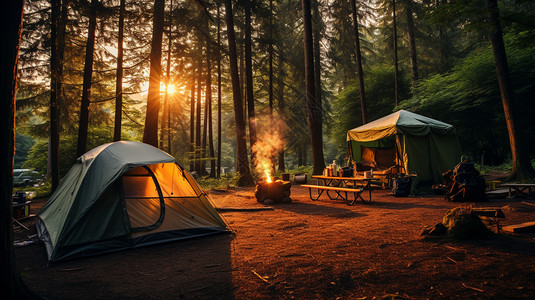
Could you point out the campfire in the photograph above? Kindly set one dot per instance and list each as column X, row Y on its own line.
column 269, row 191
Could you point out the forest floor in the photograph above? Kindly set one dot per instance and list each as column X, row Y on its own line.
column 304, row 250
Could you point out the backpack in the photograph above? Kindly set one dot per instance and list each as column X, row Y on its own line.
column 402, row 186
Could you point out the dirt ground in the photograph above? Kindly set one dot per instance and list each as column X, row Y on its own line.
column 304, row 250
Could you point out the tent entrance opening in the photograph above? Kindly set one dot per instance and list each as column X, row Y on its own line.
column 145, row 205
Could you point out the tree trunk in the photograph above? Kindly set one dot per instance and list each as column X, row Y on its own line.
column 204, row 141
column 396, row 80
column 358, row 57
column 165, row 115
column 245, row 178
column 443, row 43
column 164, row 128
column 522, row 168
column 412, row 46
column 88, row 74
column 198, row 119
column 57, row 43
column 192, row 123
column 317, row 56
column 249, row 77
column 150, row 134
column 281, row 107
column 299, row 156
column 270, row 83
column 119, row 78
column 270, row 58
column 208, row 116
column 218, row 173
column 11, row 23
column 314, row 110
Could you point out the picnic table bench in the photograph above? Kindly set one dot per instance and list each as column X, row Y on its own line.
column 343, row 188
column 520, row 189
column 491, row 215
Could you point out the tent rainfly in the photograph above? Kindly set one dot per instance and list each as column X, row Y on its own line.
column 421, row 145
column 123, row 195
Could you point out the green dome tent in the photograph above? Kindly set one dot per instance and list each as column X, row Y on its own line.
column 418, row 144
column 123, row 195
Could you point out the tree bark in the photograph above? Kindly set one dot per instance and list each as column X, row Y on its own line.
column 443, row 42
column 317, row 55
column 57, row 32
column 412, row 45
column 521, row 164
column 270, row 58
column 150, row 134
column 358, row 58
column 245, row 178
column 164, row 128
column 119, row 79
column 165, row 115
column 396, row 80
column 192, row 122
column 314, row 111
column 208, row 116
column 281, row 108
column 11, row 23
column 198, row 119
column 249, row 77
column 219, row 98
column 88, row 74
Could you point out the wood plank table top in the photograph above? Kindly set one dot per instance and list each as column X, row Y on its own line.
column 519, row 184
column 519, row 189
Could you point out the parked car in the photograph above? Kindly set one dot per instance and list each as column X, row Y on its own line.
column 23, row 177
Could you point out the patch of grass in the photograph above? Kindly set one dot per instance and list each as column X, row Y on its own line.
column 505, row 167
column 226, row 181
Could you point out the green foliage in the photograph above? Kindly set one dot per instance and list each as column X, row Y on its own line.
column 469, row 98
column 23, row 144
column 226, row 181
column 38, row 156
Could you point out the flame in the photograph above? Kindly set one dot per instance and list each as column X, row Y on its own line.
column 268, row 176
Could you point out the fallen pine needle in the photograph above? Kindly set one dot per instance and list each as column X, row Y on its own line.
column 473, row 288
column 254, row 272
column 454, row 248
column 453, row 260
column 146, row 274
column 200, row 289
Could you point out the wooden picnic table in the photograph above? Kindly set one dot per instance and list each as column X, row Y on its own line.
column 342, row 187
column 520, row 189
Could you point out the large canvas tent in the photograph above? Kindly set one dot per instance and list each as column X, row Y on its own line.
column 418, row 144
column 122, row 195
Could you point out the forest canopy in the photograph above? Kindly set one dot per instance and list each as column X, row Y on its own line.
column 95, row 71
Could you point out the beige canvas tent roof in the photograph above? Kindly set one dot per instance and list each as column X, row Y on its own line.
column 122, row 195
